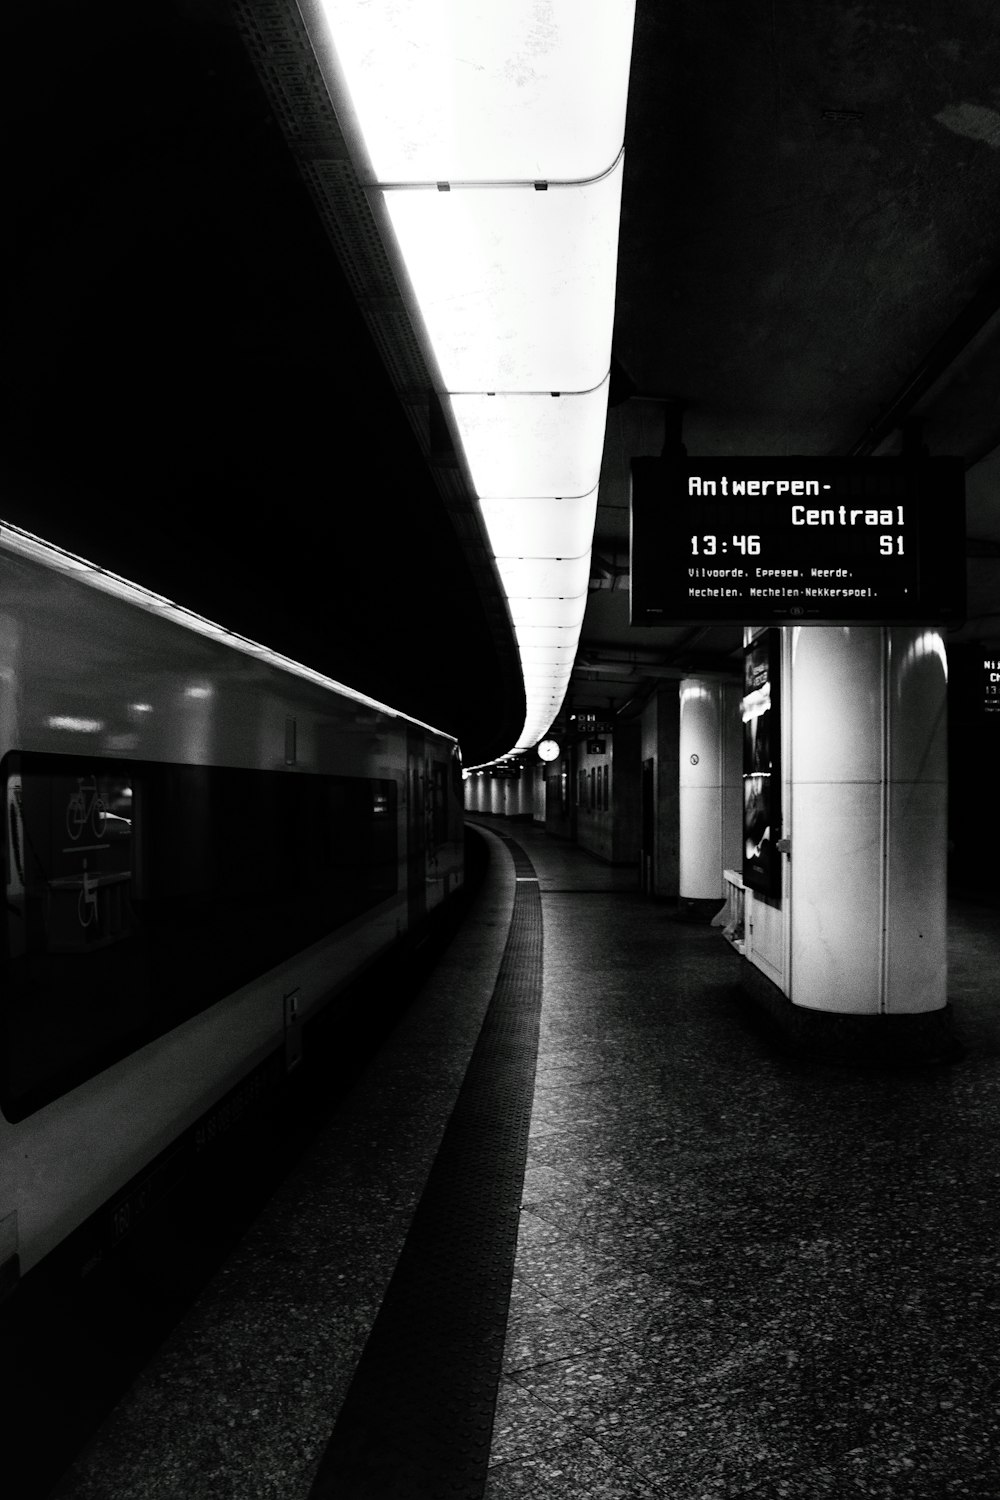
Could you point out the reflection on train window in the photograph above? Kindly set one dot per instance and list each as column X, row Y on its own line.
column 139, row 893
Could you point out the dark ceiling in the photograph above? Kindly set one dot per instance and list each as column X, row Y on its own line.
column 194, row 399
column 811, row 203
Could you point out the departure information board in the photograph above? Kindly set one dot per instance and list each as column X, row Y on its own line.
column 991, row 685
column 798, row 540
column 974, row 685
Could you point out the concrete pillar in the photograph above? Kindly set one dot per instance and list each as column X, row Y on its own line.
column 710, row 786
column 474, row 794
column 867, row 818
column 495, row 797
column 511, row 797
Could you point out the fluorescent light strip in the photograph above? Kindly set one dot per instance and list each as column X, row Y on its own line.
column 547, row 526
column 546, row 656
column 469, row 90
column 521, row 445
column 544, row 577
column 516, row 288
column 517, row 112
column 564, row 636
column 548, row 612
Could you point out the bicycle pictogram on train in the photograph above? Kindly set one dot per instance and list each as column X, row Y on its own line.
column 86, row 804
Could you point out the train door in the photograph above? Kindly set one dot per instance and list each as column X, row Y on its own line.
column 416, row 832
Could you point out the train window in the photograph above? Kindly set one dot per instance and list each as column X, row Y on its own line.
column 138, row 893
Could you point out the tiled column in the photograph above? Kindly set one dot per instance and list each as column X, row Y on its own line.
column 867, row 819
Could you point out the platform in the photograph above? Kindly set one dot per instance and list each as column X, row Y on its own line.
column 732, row 1274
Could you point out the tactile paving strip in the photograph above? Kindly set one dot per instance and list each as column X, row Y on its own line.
column 418, row 1417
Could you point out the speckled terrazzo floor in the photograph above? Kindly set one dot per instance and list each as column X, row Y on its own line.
column 242, row 1398
column 737, row 1275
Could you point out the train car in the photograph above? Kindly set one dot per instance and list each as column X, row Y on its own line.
column 203, row 845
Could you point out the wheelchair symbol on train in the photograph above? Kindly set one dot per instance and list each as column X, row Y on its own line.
column 86, row 902
column 86, row 804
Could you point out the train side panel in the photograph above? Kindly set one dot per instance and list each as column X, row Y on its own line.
column 199, row 849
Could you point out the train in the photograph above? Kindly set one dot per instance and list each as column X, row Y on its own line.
column 204, row 845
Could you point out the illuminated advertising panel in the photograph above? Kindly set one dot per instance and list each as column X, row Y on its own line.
column 798, row 540
column 762, row 764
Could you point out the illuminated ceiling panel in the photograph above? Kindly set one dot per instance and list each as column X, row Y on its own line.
column 562, row 636
column 542, row 686
column 543, row 527
column 542, row 656
column 548, row 612
column 488, row 139
column 523, row 445
column 516, row 288
column 476, row 91
column 544, row 577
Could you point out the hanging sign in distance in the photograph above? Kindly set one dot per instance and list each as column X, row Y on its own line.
column 798, row 541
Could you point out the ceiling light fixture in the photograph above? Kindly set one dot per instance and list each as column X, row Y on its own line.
column 488, row 140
